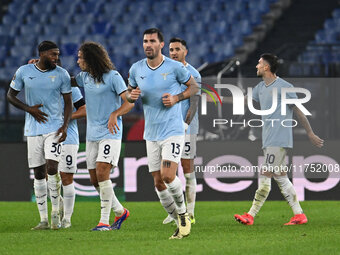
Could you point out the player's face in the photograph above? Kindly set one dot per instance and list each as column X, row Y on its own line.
column 261, row 67
column 50, row 58
column 177, row 51
column 152, row 46
column 81, row 61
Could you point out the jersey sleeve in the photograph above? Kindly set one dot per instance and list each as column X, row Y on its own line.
column 17, row 82
column 132, row 77
column 118, row 83
column 66, row 84
column 76, row 94
column 80, row 79
column 256, row 93
column 182, row 74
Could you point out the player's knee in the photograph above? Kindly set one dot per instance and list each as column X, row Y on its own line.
column 66, row 179
column 52, row 167
column 159, row 184
column 167, row 178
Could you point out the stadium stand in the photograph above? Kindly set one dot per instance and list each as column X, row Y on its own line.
column 70, row 23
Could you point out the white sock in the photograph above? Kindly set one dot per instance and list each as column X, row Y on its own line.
column 175, row 189
column 190, row 191
column 116, row 206
column 167, row 202
column 40, row 191
column 288, row 192
column 261, row 195
column 69, row 198
column 54, row 189
column 106, row 194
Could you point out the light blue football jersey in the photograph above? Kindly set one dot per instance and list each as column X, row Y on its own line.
column 46, row 88
column 160, row 122
column 72, row 130
column 101, row 100
column 273, row 133
column 185, row 104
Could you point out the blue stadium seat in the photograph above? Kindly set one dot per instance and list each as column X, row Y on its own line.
column 81, row 29
column 69, row 49
column 30, row 29
column 52, row 37
column 52, row 30
column 28, row 39
column 21, row 51
column 37, row 18
column 45, row 7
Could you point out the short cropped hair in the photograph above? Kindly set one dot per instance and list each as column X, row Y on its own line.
column 155, row 31
column 272, row 60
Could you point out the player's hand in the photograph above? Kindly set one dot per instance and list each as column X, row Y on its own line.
column 62, row 132
column 315, row 140
column 38, row 115
column 112, row 125
column 169, row 100
column 33, row 61
column 135, row 93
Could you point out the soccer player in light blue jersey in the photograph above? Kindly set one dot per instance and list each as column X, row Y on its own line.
column 46, row 86
column 178, row 51
column 157, row 79
column 276, row 139
column 68, row 159
column 104, row 89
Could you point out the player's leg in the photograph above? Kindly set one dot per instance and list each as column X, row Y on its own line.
column 52, row 151
column 187, row 160
column 67, row 168
column 164, row 196
column 36, row 160
column 153, row 150
column 171, row 150
column 260, row 197
column 108, row 155
column 286, row 187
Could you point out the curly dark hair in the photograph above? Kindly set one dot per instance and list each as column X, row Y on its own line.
column 97, row 60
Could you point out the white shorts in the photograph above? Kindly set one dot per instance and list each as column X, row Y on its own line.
column 42, row 147
column 168, row 149
column 107, row 150
column 189, row 150
column 68, row 158
column 274, row 160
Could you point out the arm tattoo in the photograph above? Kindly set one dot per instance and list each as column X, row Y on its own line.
column 180, row 96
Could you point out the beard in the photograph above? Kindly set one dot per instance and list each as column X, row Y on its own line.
column 49, row 65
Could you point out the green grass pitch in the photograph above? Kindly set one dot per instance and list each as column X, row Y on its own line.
column 215, row 231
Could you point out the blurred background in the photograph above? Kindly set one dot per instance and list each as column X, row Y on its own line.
column 227, row 35
column 225, row 39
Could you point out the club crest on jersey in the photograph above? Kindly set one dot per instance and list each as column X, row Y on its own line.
column 165, row 75
column 52, row 78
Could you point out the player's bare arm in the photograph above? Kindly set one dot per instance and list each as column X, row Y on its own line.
column 314, row 139
column 74, row 82
column 112, row 125
column 132, row 94
column 192, row 109
column 79, row 113
column 192, row 88
column 37, row 114
column 67, row 116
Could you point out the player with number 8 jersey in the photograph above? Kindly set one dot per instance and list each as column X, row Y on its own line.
column 104, row 89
